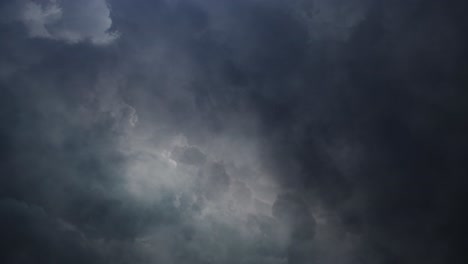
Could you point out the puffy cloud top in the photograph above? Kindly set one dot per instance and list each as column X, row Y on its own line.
column 68, row 20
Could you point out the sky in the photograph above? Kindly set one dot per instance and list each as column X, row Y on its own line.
column 233, row 131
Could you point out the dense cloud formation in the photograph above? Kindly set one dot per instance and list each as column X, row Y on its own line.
column 64, row 20
column 248, row 131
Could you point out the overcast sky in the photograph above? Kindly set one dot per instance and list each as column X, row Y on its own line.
column 233, row 131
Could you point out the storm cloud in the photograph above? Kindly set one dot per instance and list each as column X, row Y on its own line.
column 64, row 20
column 249, row 131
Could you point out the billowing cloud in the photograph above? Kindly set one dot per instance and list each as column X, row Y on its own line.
column 232, row 131
column 69, row 21
column 189, row 155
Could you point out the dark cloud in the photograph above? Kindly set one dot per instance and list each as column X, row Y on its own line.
column 293, row 210
column 233, row 131
column 32, row 236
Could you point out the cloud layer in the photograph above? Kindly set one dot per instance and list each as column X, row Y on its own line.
column 241, row 131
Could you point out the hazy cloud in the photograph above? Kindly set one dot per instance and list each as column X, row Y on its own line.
column 68, row 21
column 243, row 131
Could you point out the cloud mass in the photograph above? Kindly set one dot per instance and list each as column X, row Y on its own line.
column 68, row 21
column 246, row 131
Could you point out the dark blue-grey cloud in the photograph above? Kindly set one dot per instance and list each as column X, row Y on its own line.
column 233, row 131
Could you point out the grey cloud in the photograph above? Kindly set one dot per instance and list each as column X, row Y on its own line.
column 293, row 210
column 214, row 180
column 241, row 193
column 335, row 19
column 32, row 236
column 68, row 21
column 190, row 155
column 268, row 132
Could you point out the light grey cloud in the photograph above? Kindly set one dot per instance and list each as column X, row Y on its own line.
column 190, row 155
column 68, row 21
